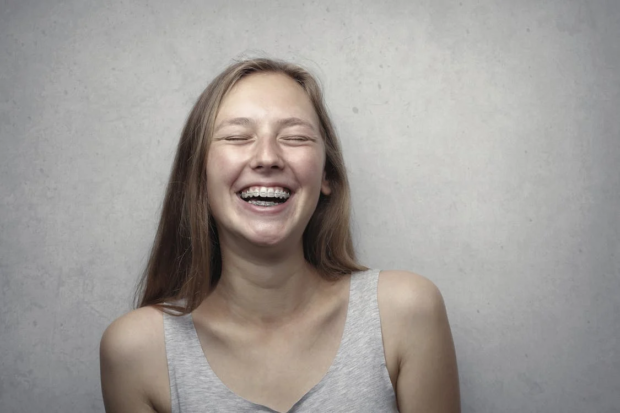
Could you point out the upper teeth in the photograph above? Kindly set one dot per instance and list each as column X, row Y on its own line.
column 263, row 191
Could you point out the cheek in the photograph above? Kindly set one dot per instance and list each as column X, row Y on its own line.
column 221, row 174
column 309, row 164
column 221, row 166
column 312, row 169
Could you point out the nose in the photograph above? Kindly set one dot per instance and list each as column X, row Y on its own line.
column 267, row 154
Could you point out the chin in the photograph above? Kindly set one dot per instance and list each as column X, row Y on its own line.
column 272, row 239
column 268, row 241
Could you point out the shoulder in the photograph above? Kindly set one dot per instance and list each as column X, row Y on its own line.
column 133, row 362
column 415, row 321
column 133, row 335
column 410, row 305
column 407, row 294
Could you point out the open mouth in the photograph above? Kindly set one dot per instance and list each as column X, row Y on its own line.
column 264, row 196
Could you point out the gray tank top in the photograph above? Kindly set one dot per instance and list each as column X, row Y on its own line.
column 357, row 380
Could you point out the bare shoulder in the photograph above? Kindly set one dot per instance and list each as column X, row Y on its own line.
column 134, row 370
column 407, row 294
column 132, row 331
column 419, row 343
column 409, row 304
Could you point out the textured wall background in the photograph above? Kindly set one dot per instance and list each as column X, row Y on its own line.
column 482, row 140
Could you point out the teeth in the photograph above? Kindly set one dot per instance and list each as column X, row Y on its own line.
column 266, row 192
column 262, row 203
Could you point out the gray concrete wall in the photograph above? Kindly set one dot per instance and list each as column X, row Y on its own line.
column 482, row 140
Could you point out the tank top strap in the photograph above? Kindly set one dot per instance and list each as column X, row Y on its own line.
column 358, row 380
column 363, row 327
column 191, row 378
column 363, row 306
column 180, row 345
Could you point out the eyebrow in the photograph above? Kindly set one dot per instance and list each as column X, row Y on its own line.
column 234, row 121
column 282, row 123
column 294, row 122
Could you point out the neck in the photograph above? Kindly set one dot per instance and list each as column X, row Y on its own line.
column 265, row 289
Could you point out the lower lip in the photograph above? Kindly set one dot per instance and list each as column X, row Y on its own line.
column 263, row 210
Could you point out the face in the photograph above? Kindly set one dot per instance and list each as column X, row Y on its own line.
column 265, row 167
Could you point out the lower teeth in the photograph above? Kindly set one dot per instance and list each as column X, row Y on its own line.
column 263, row 203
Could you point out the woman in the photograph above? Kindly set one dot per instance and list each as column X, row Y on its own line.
column 252, row 299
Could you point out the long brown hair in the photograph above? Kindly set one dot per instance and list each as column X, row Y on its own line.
column 185, row 262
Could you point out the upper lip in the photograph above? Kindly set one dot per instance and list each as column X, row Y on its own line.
column 265, row 184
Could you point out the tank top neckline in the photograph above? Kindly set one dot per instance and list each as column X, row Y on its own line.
column 344, row 341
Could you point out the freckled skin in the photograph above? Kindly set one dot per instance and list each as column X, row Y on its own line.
column 263, row 149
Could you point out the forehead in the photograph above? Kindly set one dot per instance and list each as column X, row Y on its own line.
column 267, row 97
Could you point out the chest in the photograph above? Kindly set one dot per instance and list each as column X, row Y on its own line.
column 275, row 369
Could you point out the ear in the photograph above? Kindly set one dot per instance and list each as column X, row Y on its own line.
column 325, row 187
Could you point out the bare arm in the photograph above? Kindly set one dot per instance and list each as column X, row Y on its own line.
column 132, row 368
column 428, row 376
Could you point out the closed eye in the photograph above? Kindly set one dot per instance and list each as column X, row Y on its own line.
column 235, row 138
column 297, row 138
